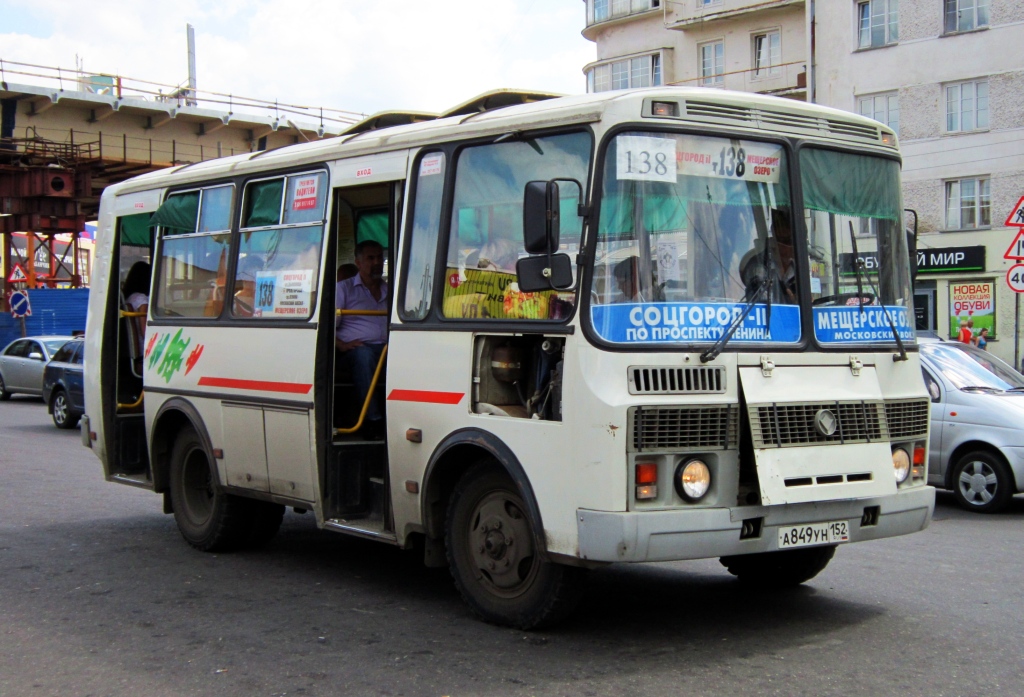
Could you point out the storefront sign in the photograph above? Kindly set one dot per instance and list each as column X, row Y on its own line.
column 929, row 261
column 973, row 300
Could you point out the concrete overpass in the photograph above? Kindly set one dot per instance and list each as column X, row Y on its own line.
column 65, row 135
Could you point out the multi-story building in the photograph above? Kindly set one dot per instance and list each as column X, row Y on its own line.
column 948, row 76
column 750, row 45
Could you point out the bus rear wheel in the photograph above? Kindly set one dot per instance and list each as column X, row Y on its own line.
column 209, row 519
column 493, row 559
column 783, row 569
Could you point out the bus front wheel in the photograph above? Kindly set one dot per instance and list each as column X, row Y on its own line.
column 493, row 559
column 789, row 567
column 209, row 519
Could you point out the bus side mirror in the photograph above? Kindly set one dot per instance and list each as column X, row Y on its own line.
column 544, row 272
column 540, row 217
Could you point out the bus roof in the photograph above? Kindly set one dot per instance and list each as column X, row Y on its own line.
column 532, row 110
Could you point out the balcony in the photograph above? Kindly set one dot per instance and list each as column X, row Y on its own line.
column 682, row 19
column 784, row 80
column 604, row 11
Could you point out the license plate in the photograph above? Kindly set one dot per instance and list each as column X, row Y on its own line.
column 814, row 534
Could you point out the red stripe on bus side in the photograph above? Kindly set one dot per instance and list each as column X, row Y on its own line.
column 426, row 396
column 257, row 385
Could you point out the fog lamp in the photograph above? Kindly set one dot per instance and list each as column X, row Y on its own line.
column 900, row 464
column 693, row 479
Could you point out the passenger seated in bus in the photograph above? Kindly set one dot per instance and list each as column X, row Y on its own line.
column 136, row 298
column 627, row 278
column 360, row 339
column 245, row 287
column 780, row 246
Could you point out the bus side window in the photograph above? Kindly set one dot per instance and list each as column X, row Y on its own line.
column 195, row 229
column 278, row 265
column 426, row 224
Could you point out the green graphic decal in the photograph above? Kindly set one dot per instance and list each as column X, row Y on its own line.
column 158, row 349
column 174, row 357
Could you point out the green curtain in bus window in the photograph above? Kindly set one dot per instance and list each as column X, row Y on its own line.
column 373, row 226
column 178, row 214
column 264, row 203
column 135, row 230
column 847, row 184
column 661, row 214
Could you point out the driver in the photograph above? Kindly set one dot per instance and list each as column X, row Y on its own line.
column 780, row 246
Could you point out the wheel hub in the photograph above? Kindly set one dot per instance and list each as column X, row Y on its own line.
column 501, row 543
column 978, row 483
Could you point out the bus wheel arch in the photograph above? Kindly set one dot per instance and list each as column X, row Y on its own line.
column 173, row 416
column 453, row 458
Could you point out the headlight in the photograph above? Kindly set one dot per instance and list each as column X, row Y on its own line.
column 693, row 479
column 900, row 464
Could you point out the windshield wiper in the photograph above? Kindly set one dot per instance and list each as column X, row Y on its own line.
column 858, row 267
column 983, row 387
column 755, row 293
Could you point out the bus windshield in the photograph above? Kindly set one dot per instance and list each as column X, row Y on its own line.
column 860, row 272
column 692, row 229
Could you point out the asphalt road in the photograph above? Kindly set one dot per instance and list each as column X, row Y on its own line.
column 99, row 595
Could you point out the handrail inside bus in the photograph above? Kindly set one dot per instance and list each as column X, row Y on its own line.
column 372, row 313
column 126, row 313
column 135, row 405
column 369, row 392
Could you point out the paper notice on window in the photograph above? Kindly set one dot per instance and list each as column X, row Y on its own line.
column 745, row 160
column 284, row 294
column 645, row 158
column 305, row 193
column 432, row 164
column 668, row 262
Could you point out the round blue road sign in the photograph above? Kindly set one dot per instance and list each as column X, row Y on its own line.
column 19, row 304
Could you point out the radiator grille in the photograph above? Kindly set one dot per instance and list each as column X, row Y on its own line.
column 907, row 418
column 787, row 425
column 770, row 119
column 666, row 380
column 684, row 428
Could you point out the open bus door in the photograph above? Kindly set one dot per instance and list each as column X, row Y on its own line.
column 122, row 359
column 355, row 483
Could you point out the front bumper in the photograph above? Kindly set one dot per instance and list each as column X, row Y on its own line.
column 701, row 533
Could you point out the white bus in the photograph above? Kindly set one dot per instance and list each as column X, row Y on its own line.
column 622, row 327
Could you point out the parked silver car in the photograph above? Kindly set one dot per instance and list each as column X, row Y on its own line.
column 977, row 431
column 22, row 362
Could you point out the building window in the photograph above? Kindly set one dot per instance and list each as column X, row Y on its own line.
column 712, row 63
column 767, row 54
column 610, row 9
column 964, row 15
column 877, row 23
column 968, row 204
column 967, row 106
column 881, row 107
column 642, row 71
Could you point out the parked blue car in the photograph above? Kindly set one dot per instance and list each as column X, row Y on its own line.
column 63, row 384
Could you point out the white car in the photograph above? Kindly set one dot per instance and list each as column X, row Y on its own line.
column 976, row 447
column 22, row 362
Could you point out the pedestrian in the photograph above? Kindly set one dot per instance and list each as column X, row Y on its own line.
column 982, row 340
column 965, row 334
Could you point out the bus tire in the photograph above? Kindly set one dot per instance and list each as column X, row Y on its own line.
column 783, row 569
column 493, row 557
column 265, row 520
column 208, row 519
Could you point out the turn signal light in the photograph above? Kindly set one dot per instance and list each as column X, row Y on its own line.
column 646, row 473
column 919, row 455
column 647, row 492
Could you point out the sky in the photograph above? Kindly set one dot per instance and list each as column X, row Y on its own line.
column 356, row 55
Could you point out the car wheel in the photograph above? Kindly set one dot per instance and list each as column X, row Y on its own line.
column 789, row 567
column 493, row 559
column 4, row 394
column 982, row 482
column 209, row 519
column 63, row 416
